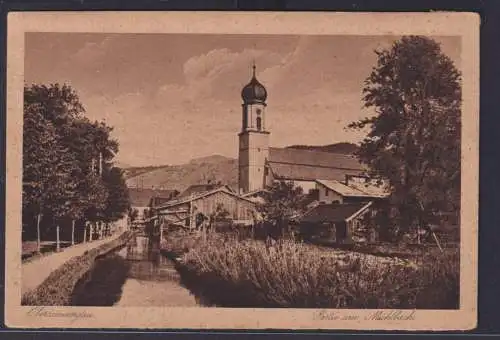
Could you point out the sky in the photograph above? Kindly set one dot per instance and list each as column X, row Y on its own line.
column 174, row 97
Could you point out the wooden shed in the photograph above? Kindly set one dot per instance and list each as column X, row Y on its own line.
column 186, row 209
column 334, row 222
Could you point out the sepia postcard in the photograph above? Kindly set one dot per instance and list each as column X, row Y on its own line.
column 239, row 170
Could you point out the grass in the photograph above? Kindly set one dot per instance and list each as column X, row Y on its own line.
column 231, row 273
column 57, row 289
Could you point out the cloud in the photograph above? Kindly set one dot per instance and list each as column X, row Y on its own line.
column 221, row 73
column 91, row 51
column 208, row 65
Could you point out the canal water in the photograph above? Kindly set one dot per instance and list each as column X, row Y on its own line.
column 134, row 275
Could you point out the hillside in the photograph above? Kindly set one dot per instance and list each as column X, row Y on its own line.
column 201, row 170
column 179, row 177
column 343, row 148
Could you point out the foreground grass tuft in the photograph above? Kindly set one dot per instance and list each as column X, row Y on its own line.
column 232, row 273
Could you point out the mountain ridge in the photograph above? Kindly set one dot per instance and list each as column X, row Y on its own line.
column 212, row 168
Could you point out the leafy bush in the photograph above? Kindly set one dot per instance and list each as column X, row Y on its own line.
column 57, row 288
column 228, row 273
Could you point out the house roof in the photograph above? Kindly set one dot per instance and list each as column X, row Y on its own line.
column 354, row 189
column 298, row 164
column 254, row 193
column 199, row 188
column 141, row 197
column 370, row 189
column 156, row 201
column 332, row 213
column 341, row 188
column 198, row 195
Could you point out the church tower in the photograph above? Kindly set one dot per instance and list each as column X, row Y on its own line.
column 254, row 139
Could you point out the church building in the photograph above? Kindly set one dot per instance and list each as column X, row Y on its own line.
column 259, row 164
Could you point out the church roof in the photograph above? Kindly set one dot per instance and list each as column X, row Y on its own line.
column 298, row 164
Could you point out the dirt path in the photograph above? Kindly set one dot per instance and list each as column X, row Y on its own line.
column 36, row 271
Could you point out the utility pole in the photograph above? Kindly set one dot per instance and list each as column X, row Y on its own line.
column 58, row 243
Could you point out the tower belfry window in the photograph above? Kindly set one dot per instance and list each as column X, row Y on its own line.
column 258, row 120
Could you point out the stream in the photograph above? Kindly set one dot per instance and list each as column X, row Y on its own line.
column 135, row 275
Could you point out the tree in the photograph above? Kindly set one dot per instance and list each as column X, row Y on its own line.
column 40, row 160
column 414, row 137
column 97, row 195
column 118, row 200
column 51, row 108
column 282, row 202
column 67, row 162
column 100, row 183
column 63, row 197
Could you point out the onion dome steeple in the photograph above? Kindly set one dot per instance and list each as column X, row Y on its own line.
column 254, row 91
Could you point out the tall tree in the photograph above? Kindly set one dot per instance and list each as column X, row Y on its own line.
column 95, row 149
column 118, row 200
column 414, row 137
column 97, row 195
column 40, row 162
column 54, row 107
column 282, row 202
column 62, row 192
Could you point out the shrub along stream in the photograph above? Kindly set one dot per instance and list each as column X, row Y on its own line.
column 230, row 273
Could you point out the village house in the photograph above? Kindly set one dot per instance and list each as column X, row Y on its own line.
column 189, row 206
column 339, row 223
column 352, row 190
column 141, row 199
